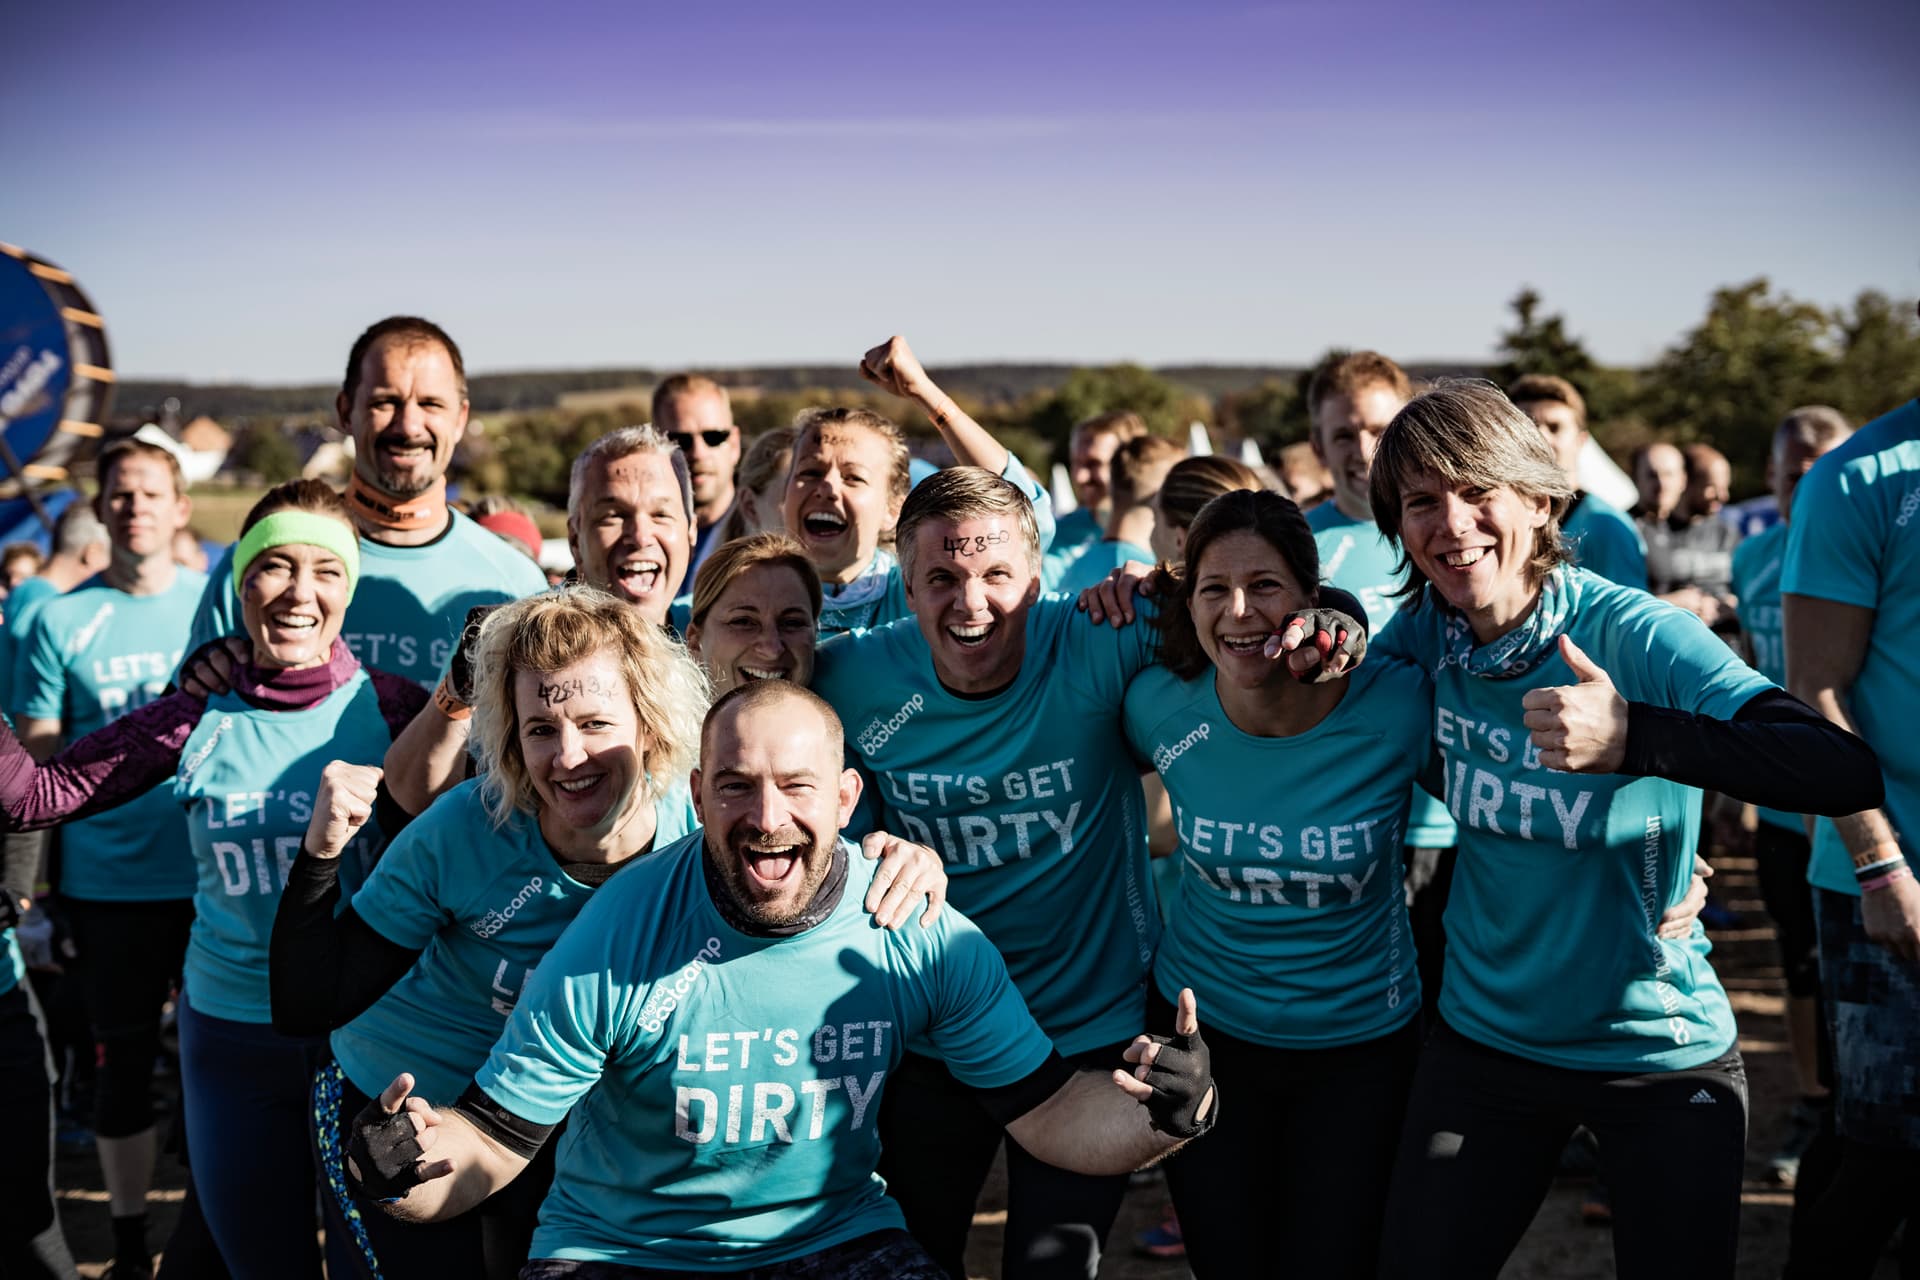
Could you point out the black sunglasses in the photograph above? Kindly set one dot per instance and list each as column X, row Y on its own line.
column 712, row 439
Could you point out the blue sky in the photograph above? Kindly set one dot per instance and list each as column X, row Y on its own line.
column 241, row 188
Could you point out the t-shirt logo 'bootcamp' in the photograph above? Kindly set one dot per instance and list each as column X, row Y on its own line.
column 1164, row 755
column 878, row 732
column 497, row 919
column 667, row 996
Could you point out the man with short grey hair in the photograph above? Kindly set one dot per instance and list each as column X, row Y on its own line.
column 630, row 526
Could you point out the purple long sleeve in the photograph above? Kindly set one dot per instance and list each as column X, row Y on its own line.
column 108, row 767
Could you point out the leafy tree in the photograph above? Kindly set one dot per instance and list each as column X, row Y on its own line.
column 1540, row 343
column 1272, row 414
column 1165, row 407
column 1879, row 365
column 264, row 450
column 1729, row 381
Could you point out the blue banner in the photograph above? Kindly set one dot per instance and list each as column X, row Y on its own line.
column 36, row 360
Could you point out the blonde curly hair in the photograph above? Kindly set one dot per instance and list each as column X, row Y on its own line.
column 550, row 632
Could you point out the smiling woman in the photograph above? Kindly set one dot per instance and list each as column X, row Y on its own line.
column 584, row 714
column 587, row 716
column 756, row 603
column 246, row 766
column 1575, row 781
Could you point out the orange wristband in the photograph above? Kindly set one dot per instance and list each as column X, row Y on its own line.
column 449, row 703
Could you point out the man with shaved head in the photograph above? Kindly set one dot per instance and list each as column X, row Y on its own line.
column 721, row 1020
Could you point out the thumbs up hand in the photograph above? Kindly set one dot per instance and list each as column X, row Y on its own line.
column 1579, row 728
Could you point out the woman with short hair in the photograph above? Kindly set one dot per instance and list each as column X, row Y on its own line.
column 756, row 609
column 1576, row 722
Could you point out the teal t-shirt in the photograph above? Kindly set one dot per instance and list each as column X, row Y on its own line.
column 19, row 605
column 1553, row 951
column 1757, row 562
column 410, row 602
column 482, row 905
column 247, row 778
column 1097, row 561
column 1073, row 534
column 88, row 657
column 736, row 1080
column 1355, row 558
column 868, row 608
column 1855, row 540
column 1602, row 539
column 1290, row 923
column 1031, row 799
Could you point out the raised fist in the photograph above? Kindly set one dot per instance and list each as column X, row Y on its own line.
column 341, row 807
column 893, row 367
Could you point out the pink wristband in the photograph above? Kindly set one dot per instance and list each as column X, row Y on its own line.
column 1892, row 877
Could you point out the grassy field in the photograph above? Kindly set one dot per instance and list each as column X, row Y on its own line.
column 218, row 510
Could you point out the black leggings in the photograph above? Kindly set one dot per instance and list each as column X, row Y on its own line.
column 937, row 1146
column 1303, row 1154
column 30, row 1241
column 130, row 955
column 1780, row 860
column 1484, row 1133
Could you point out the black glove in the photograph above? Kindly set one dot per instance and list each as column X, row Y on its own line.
column 383, row 1154
column 1180, row 1075
column 460, row 670
column 1330, row 631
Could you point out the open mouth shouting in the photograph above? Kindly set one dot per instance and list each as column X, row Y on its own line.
column 973, row 635
column 775, row 860
column 638, row 576
column 823, row 526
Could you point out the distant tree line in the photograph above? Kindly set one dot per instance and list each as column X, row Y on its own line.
column 1755, row 355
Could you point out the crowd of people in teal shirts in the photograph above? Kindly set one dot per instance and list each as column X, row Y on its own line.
column 843, row 824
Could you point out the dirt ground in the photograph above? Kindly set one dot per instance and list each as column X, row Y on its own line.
column 1557, row 1247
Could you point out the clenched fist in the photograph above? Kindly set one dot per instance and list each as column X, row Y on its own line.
column 342, row 806
column 893, row 367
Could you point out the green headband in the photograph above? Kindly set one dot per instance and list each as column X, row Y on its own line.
column 329, row 533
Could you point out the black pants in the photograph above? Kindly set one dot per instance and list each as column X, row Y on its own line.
column 131, row 954
column 30, row 1241
column 937, row 1146
column 1780, row 861
column 1484, row 1133
column 1303, row 1154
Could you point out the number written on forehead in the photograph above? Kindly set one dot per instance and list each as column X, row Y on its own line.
column 559, row 691
column 976, row 545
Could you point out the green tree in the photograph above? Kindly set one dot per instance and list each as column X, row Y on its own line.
column 1271, row 414
column 1165, row 407
column 1755, row 356
column 265, row 450
column 1879, row 365
column 1540, row 343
